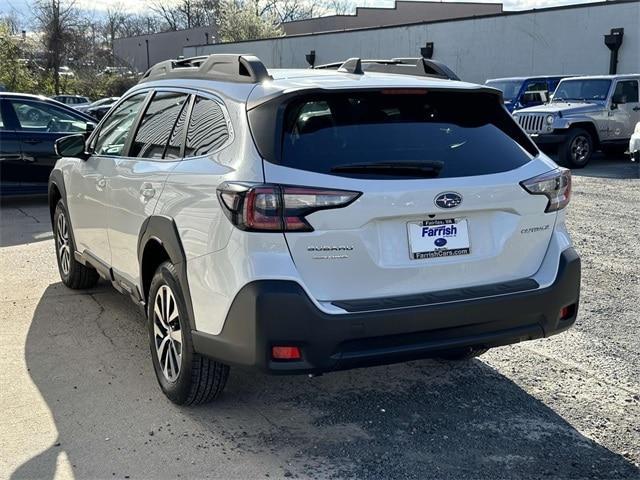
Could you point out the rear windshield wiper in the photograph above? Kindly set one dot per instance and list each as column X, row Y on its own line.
column 412, row 169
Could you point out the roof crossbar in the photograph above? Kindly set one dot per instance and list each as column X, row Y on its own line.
column 418, row 66
column 223, row 67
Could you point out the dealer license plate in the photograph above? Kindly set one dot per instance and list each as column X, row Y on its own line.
column 446, row 237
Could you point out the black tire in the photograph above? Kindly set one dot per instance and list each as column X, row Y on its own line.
column 73, row 274
column 577, row 149
column 462, row 354
column 196, row 379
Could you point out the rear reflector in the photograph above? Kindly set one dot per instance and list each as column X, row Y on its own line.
column 285, row 353
column 568, row 311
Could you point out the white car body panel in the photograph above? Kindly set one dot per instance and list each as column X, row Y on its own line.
column 634, row 141
column 222, row 259
column 134, row 189
column 375, row 225
column 88, row 203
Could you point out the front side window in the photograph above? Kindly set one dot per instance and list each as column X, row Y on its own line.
column 626, row 92
column 536, row 86
column 115, row 130
column 208, row 129
column 510, row 88
column 34, row 116
column 460, row 134
column 582, row 90
column 156, row 125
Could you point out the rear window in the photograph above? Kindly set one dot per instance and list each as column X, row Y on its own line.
column 467, row 134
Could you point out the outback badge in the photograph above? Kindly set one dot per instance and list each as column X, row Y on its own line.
column 448, row 200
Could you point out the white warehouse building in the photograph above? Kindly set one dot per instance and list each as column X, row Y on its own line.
column 558, row 40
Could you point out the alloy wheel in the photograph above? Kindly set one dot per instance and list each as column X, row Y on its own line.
column 167, row 333
column 62, row 240
column 580, row 149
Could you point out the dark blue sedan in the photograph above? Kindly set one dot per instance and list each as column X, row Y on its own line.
column 29, row 127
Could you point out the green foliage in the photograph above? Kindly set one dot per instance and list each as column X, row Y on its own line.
column 96, row 86
column 15, row 75
column 239, row 20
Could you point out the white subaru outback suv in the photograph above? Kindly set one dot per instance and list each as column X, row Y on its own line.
column 304, row 221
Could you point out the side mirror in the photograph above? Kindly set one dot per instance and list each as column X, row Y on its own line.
column 71, row 146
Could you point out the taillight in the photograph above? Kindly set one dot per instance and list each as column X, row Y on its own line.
column 277, row 208
column 555, row 185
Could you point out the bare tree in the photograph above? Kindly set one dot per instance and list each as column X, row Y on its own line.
column 134, row 25
column 169, row 12
column 186, row 13
column 11, row 21
column 58, row 21
column 288, row 10
column 113, row 22
column 338, row 7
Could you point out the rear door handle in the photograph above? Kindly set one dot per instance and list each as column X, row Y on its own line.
column 147, row 191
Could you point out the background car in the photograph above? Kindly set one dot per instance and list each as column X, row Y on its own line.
column 29, row 127
column 586, row 114
column 99, row 108
column 634, row 144
column 521, row 92
column 73, row 101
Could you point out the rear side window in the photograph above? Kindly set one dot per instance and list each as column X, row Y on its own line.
column 465, row 134
column 208, row 129
column 177, row 135
column 156, row 125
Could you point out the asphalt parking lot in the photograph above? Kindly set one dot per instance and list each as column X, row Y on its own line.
column 80, row 399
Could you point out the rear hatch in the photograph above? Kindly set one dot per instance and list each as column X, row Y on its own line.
column 438, row 174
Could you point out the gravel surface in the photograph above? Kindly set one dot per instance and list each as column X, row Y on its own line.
column 80, row 399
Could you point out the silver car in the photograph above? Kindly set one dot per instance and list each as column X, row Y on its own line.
column 586, row 114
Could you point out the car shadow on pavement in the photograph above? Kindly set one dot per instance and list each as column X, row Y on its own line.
column 32, row 215
column 87, row 354
column 613, row 166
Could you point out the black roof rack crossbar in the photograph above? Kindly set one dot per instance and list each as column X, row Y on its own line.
column 223, row 67
column 419, row 66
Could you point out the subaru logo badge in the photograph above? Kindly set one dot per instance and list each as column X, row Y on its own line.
column 440, row 242
column 448, row 200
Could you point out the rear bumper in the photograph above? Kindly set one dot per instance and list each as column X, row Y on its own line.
column 266, row 313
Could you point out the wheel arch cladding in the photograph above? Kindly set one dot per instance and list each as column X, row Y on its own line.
column 159, row 241
column 56, row 191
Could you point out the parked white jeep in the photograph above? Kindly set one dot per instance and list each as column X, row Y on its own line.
column 586, row 114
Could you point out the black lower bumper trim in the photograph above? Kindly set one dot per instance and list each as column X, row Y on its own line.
column 451, row 295
column 549, row 139
column 266, row 313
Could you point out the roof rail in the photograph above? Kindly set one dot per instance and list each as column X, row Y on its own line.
column 223, row 67
column 353, row 65
column 419, row 66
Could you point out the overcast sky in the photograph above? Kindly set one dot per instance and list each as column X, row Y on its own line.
column 98, row 6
